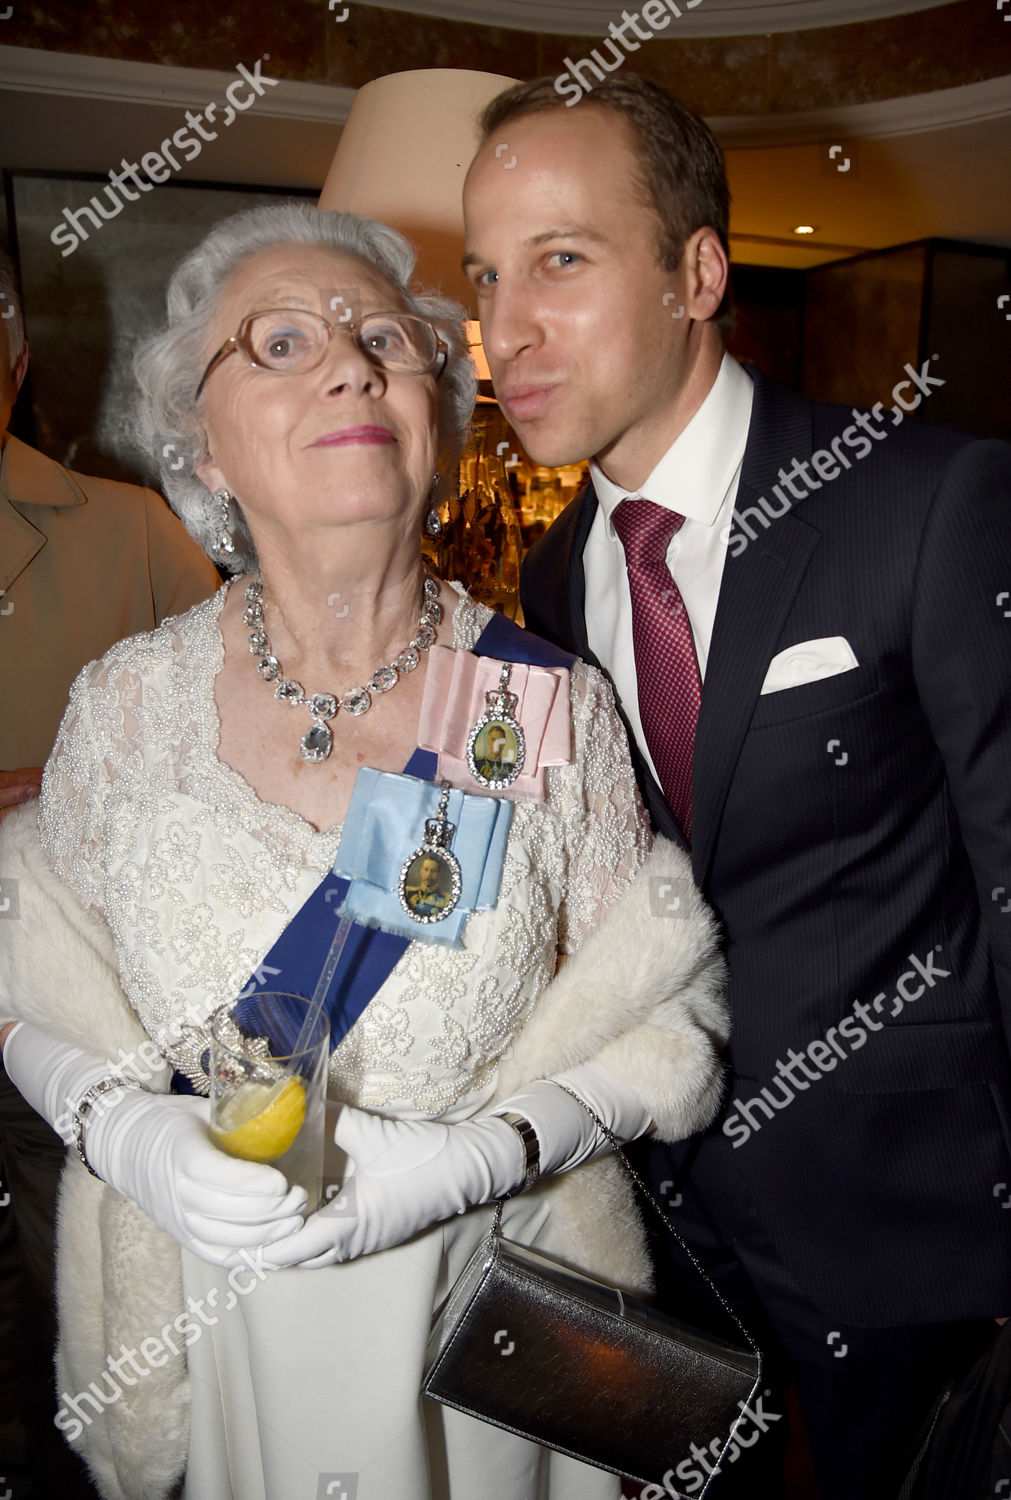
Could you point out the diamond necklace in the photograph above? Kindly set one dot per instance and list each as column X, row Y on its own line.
column 317, row 742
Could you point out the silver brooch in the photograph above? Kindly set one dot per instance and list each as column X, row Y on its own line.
column 246, row 1056
column 496, row 747
column 430, row 882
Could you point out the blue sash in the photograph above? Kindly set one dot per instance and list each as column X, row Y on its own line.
column 296, row 960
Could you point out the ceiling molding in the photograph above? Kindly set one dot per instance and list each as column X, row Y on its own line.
column 76, row 75
column 706, row 18
column 29, row 70
column 970, row 104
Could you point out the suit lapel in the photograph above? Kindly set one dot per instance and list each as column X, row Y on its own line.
column 576, row 576
column 30, row 479
column 759, row 586
column 20, row 542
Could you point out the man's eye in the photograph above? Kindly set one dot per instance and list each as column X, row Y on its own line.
column 485, row 278
column 564, row 257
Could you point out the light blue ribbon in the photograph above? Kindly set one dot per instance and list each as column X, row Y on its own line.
column 386, row 822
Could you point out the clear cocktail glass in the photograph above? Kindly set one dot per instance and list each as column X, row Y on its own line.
column 268, row 1066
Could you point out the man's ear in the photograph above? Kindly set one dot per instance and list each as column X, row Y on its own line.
column 706, row 271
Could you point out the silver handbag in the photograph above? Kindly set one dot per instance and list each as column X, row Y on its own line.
column 537, row 1348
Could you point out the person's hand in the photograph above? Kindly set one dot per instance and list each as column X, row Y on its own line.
column 413, row 1173
column 157, row 1150
column 18, row 786
column 408, row 1174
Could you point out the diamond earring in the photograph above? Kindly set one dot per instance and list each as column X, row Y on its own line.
column 433, row 521
column 224, row 545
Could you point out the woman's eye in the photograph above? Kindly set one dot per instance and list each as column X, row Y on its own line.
column 282, row 345
column 564, row 257
column 387, row 339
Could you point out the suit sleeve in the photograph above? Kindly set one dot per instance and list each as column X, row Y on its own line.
column 181, row 572
column 961, row 633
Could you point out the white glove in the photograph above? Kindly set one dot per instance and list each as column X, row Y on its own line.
column 156, row 1149
column 410, row 1174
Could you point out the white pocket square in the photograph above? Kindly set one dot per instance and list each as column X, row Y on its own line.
column 808, row 661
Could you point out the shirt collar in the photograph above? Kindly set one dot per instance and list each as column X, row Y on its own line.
column 696, row 472
column 27, row 477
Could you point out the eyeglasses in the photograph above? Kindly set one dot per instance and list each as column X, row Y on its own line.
column 291, row 341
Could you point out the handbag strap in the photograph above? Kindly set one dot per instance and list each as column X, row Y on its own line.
column 661, row 1215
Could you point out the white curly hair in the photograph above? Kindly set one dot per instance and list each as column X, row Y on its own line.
column 168, row 366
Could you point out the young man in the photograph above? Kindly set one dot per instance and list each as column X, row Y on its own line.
column 805, row 614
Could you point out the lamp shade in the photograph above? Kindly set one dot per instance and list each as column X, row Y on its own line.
column 477, row 349
column 402, row 158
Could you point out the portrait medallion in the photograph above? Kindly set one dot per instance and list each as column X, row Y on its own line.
column 496, row 748
column 430, row 880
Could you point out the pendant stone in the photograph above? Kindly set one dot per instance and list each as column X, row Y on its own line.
column 258, row 642
column 269, row 668
column 288, row 691
column 317, row 743
column 407, row 660
column 424, row 638
column 253, row 613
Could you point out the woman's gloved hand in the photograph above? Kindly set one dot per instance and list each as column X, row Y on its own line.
column 157, row 1150
column 410, row 1174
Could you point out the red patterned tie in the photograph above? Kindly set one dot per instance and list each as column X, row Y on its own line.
column 666, row 666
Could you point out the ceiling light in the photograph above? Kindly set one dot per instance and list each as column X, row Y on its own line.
column 804, row 229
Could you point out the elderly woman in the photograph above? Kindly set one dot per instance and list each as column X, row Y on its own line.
column 214, row 1334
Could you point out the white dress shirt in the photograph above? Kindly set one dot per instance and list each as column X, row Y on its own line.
column 698, row 477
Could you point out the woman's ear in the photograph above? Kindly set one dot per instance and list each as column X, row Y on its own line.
column 208, row 471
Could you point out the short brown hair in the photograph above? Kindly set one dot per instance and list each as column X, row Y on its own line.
column 683, row 176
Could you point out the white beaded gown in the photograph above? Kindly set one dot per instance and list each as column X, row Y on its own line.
column 306, row 1383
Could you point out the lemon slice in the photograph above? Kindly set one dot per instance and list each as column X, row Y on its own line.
column 261, row 1120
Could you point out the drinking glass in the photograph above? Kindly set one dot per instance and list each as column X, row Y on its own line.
column 268, row 1066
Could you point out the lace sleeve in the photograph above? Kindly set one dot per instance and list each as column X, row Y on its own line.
column 607, row 834
column 78, row 776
